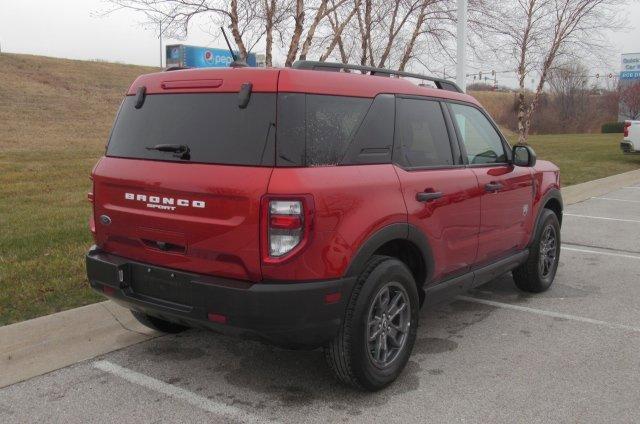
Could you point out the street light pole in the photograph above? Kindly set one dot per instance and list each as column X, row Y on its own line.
column 160, row 38
column 461, row 35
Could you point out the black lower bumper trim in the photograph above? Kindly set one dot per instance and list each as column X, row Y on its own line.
column 289, row 314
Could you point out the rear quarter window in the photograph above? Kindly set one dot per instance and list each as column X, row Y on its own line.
column 322, row 130
column 212, row 125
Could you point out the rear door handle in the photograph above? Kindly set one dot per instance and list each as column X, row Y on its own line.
column 492, row 186
column 428, row 196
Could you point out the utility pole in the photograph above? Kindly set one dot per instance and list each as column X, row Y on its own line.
column 461, row 35
column 160, row 38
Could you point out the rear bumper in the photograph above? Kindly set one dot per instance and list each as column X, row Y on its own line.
column 289, row 314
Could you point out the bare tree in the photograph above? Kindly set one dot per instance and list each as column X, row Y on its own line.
column 570, row 90
column 533, row 35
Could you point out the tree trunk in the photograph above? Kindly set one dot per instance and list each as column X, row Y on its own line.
column 235, row 31
column 337, row 35
column 408, row 51
column 270, row 9
column 297, row 33
column 320, row 14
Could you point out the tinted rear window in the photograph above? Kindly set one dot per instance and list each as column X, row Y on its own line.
column 212, row 125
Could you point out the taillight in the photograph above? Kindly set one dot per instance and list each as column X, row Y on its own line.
column 286, row 226
column 627, row 124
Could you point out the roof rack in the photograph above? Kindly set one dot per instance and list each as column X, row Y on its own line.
column 440, row 83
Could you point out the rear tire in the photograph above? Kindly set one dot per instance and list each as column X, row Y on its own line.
column 538, row 272
column 379, row 328
column 158, row 324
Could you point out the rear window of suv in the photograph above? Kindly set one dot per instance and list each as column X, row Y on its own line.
column 212, row 125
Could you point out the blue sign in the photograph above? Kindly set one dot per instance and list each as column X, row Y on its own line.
column 201, row 57
column 630, row 75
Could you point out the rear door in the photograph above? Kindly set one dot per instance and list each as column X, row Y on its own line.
column 440, row 193
column 507, row 190
column 197, row 212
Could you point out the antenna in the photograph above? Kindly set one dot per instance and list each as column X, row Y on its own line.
column 233, row 55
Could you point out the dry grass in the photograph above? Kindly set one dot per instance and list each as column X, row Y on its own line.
column 55, row 117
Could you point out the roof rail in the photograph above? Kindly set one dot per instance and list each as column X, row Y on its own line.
column 440, row 83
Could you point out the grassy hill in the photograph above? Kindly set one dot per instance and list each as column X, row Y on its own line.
column 55, row 117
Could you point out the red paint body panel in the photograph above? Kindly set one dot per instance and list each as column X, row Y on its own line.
column 220, row 239
column 506, row 215
column 192, row 81
column 450, row 223
column 351, row 204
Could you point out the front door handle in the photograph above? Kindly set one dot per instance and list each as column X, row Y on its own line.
column 492, row 186
column 428, row 196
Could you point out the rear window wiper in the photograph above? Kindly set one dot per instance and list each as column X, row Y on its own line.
column 181, row 151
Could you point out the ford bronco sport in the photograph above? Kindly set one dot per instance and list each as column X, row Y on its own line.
column 313, row 209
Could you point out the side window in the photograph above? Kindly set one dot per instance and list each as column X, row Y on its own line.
column 317, row 130
column 481, row 141
column 331, row 123
column 421, row 134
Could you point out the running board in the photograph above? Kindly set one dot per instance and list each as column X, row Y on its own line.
column 458, row 285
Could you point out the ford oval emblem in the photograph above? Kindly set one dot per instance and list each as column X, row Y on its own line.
column 105, row 220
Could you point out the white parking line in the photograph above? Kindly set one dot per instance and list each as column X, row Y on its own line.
column 616, row 200
column 179, row 393
column 599, row 252
column 601, row 217
column 550, row 313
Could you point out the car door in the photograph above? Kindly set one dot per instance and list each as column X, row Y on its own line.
column 507, row 190
column 441, row 194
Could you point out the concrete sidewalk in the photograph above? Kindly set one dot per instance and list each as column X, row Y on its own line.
column 45, row 344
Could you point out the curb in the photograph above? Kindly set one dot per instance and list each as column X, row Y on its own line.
column 41, row 345
column 584, row 191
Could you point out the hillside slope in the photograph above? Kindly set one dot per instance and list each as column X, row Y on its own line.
column 55, row 117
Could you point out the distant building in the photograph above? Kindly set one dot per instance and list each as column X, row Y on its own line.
column 203, row 57
column 629, row 75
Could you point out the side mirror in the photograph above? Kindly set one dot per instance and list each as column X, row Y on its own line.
column 523, row 156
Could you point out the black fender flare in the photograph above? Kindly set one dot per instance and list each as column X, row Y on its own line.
column 553, row 193
column 389, row 233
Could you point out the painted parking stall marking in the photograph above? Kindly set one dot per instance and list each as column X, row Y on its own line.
column 616, row 200
column 549, row 313
column 600, row 217
column 175, row 392
column 599, row 251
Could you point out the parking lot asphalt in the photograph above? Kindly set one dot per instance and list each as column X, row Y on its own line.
column 571, row 354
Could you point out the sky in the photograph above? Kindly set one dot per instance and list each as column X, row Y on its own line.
column 78, row 29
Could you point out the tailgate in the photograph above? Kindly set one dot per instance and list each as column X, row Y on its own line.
column 188, row 160
column 194, row 217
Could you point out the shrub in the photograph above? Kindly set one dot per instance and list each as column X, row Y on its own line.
column 613, row 127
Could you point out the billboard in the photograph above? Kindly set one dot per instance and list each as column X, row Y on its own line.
column 630, row 66
column 629, row 75
column 201, row 57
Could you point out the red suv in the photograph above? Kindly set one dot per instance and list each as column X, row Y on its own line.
column 313, row 209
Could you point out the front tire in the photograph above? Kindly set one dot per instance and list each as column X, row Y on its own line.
column 158, row 324
column 379, row 328
column 538, row 272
